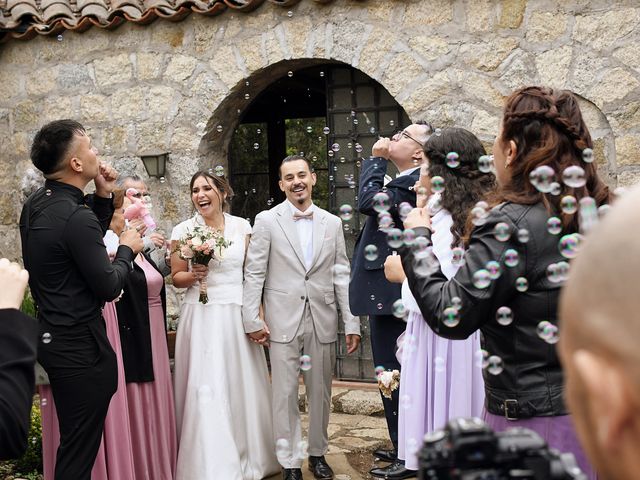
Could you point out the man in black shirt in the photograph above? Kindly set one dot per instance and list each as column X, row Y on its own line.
column 71, row 277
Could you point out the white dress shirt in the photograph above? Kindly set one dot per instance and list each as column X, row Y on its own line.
column 304, row 227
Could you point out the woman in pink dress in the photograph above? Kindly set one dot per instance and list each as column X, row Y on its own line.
column 115, row 459
column 141, row 317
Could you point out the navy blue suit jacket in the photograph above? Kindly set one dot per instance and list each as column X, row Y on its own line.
column 367, row 277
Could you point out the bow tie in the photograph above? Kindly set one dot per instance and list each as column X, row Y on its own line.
column 298, row 215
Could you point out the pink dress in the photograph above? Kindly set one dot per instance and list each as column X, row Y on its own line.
column 151, row 407
column 115, row 459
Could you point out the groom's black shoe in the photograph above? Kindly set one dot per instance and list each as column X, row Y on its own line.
column 320, row 468
column 395, row 471
column 291, row 474
column 386, row 455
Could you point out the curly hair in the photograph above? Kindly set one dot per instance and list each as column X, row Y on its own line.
column 465, row 184
column 548, row 129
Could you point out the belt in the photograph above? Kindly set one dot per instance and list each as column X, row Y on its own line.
column 526, row 406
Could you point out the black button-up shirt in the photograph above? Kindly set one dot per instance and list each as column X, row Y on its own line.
column 70, row 274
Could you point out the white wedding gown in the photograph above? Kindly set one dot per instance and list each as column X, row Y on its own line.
column 223, row 395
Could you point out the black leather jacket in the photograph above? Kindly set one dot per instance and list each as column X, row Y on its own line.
column 531, row 381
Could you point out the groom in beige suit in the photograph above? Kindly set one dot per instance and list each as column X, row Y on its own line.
column 298, row 267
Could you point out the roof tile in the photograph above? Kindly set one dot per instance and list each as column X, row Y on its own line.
column 23, row 19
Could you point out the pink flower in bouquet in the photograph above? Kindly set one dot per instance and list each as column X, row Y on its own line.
column 186, row 252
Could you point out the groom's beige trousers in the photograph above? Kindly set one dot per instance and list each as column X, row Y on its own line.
column 285, row 369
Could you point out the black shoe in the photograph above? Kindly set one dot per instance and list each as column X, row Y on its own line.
column 320, row 468
column 291, row 474
column 386, row 455
column 394, row 471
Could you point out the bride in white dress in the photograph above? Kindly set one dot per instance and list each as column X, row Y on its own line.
column 223, row 395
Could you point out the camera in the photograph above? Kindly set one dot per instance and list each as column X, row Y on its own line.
column 467, row 449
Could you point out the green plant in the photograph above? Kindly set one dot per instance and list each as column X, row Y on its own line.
column 31, row 461
column 28, row 304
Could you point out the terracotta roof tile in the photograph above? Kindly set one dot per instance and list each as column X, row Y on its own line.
column 24, row 19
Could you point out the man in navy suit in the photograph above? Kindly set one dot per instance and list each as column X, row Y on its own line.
column 369, row 291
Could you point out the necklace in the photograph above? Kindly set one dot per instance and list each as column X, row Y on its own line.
column 200, row 220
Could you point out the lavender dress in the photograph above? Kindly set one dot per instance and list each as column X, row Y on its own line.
column 440, row 379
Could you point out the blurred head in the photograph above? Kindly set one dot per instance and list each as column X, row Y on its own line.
column 210, row 194
column 134, row 181
column 117, row 220
column 62, row 148
column 297, row 180
column 405, row 148
column 542, row 126
column 464, row 184
column 599, row 338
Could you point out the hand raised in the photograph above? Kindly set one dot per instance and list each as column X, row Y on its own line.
column 418, row 217
column 381, row 148
column 393, row 270
column 14, row 282
column 106, row 180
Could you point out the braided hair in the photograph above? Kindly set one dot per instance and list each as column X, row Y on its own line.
column 548, row 129
column 465, row 184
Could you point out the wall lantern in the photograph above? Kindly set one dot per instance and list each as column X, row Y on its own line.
column 155, row 163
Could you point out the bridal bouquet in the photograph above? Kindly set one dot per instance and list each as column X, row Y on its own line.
column 388, row 381
column 199, row 246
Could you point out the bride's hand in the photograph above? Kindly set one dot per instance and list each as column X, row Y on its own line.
column 199, row 271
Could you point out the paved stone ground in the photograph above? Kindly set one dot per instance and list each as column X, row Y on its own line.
column 356, row 428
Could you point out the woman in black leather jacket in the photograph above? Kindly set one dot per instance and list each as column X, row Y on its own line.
column 516, row 258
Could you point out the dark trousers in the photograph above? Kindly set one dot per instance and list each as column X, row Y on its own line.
column 385, row 330
column 83, row 373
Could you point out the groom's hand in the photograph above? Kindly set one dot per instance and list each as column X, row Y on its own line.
column 261, row 336
column 353, row 341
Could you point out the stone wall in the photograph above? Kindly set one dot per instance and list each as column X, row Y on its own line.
column 170, row 86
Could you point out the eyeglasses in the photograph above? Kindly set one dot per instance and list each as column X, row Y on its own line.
column 403, row 133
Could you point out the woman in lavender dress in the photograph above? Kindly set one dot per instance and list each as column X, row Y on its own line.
column 440, row 378
column 516, row 260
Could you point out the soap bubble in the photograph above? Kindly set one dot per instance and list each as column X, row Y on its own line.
column 346, row 212
column 587, row 155
column 504, row 316
column 554, row 225
column 370, row 252
column 381, row 202
column 511, row 257
column 574, row 176
column 502, row 232
column 305, row 363
column 542, row 178
column 522, row 284
column 398, row 309
column 453, row 160
column 481, row 278
column 494, row 365
column 437, row 184
column 569, row 204
column 450, row 317
column 485, row 162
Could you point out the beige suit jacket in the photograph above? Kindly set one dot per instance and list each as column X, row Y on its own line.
column 275, row 271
